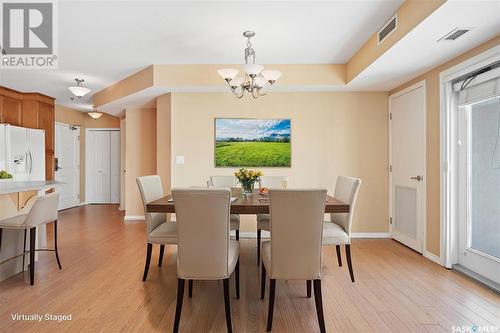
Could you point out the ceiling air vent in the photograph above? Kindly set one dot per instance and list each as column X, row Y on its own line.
column 388, row 29
column 454, row 34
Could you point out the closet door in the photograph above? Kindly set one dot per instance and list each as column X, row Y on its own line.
column 98, row 166
column 115, row 166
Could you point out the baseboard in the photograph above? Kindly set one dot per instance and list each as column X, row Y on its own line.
column 432, row 257
column 82, row 203
column 253, row 234
column 370, row 235
column 134, row 218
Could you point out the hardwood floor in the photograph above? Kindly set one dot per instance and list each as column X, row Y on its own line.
column 396, row 289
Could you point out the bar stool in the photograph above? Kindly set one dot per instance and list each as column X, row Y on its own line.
column 44, row 211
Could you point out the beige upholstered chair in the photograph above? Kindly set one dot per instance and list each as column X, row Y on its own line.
column 159, row 231
column 228, row 182
column 44, row 211
column 206, row 251
column 337, row 231
column 271, row 182
column 294, row 251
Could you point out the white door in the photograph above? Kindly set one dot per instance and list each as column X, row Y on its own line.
column 98, row 166
column 407, row 162
column 36, row 154
column 67, row 154
column 103, row 166
column 115, row 167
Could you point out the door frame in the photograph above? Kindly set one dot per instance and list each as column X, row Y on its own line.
column 420, row 84
column 79, row 159
column 448, row 153
column 87, row 130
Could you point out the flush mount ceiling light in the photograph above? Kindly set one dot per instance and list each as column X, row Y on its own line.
column 79, row 90
column 255, row 79
column 94, row 113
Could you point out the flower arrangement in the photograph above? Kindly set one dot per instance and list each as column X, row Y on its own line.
column 247, row 179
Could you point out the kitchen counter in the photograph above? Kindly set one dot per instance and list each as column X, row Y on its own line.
column 8, row 187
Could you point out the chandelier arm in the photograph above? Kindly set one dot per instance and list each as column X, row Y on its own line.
column 253, row 94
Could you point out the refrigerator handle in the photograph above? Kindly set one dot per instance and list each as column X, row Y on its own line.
column 31, row 161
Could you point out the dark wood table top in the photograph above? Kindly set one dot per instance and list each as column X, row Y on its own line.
column 254, row 204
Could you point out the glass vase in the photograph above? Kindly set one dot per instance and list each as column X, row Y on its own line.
column 247, row 188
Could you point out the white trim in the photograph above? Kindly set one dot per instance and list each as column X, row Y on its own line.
column 420, row 84
column 448, row 179
column 370, row 235
column 83, row 203
column 134, row 218
column 432, row 257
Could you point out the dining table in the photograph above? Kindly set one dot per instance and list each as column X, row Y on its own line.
column 256, row 203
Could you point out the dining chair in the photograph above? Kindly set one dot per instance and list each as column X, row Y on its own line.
column 294, row 251
column 337, row 231
column 43, row 211
column 271, row 182
column 229, row 182
column 206, row 252
column 158, row 229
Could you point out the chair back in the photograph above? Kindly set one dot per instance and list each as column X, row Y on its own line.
column 276, row 182
column 297, row 230
column 151, row 189
column 44, row 210
column 222, row 181
column 203, row 229
column 346, row 190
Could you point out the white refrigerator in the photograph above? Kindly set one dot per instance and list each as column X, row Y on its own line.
column 22, row 152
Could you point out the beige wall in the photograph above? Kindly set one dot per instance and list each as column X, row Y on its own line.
column 163, row 140
column 140, row 159
column 332, row 134
column 433, row 143
column 74, row 117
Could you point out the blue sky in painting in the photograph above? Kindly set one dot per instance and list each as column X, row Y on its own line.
column 250, row 129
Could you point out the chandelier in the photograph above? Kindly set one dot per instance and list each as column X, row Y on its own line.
column 79, row 90
column 94, row 113
column 255, row 80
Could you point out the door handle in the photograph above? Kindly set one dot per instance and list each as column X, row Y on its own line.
column 417, row 178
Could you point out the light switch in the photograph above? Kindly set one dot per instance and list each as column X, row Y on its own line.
column 179, row 159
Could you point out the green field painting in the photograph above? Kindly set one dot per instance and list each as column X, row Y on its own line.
column 252, row 143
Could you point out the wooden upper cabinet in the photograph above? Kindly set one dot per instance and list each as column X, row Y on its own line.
column 32, row 110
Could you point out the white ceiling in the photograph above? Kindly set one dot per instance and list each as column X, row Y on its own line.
column 419, row 51
column 105, row 41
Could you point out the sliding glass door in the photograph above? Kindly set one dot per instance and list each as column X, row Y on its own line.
column 479, row 179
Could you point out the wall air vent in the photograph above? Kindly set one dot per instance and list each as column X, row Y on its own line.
column 388, row 29
column 454, row 34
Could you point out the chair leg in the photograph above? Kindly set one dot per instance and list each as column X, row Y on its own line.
column 259, row 232
column 148, row 260
column 227, row 304
column 162, row 249
column 24, row 247
column 55, row 245
column 237, row 277
column 237, row 235
column 263, row 282
column 190, row 288
column 308, row 287
column 178, row 309
column 339, row 257
column 32, row 255
column 349, row 261
column 1, row 231
column 318, row 298
column 271, row 305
